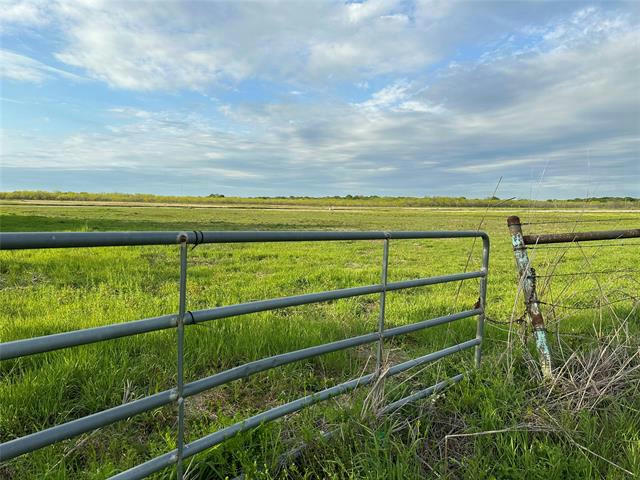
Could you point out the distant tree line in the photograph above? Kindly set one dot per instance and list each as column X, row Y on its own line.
column 337, row 201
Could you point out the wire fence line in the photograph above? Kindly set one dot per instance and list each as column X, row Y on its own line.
column 571, row 240
column 588, row 307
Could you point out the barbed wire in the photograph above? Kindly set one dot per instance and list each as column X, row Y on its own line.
column 519, row 320
column 568, row 334
column 587, row 307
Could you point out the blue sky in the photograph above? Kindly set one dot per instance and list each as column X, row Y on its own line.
column 424, row 97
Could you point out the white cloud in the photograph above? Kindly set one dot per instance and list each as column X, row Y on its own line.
column 228, row 173
column 138, row 46
column 398, row 97
column 420, row 107
column 184, row 45
column 388, row 96
column 24, row 69
column 168, row 140
column 359, row 12
column 561, row 89
column 30, row 13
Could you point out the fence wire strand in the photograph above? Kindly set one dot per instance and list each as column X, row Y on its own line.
column 587, row 307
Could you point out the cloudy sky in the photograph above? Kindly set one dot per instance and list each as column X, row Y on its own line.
column 424, row 97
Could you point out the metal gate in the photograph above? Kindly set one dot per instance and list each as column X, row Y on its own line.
column 177, row 395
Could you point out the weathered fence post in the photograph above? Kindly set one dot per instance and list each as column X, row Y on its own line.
column 527, row 276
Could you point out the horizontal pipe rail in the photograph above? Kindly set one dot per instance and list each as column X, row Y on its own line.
column 74, row 338
column 421, row 394
column 31, row 240
column 438, row 387
column 539, row 239
column 47, row 343
column 290, row 357
column 220, row 436
column 414, row 327
column 297, row 300
column 34, row 441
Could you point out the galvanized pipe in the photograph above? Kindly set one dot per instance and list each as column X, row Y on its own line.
column 421, row 394
column 263, row 305
column 296, row 452
column 149, row 467
column 48, row 343
column 383, row 297
column 527, row 278
column 256, row 366
column 430, row 357
column 414, row 327
column 57, row 341
column 34, row 441
column 31, row 240
column 482, row 299
column 180, row 350
column 215, row 438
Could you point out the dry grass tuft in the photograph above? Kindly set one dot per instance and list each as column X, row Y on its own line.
column 587, row 379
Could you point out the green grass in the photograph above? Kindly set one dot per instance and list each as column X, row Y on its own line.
column 44, row 292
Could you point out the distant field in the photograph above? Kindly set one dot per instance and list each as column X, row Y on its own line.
column 628, row 203
column 43, row 292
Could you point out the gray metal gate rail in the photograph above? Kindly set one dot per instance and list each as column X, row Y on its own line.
column 30, row 346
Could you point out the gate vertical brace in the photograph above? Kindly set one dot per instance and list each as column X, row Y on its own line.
column 483, row 299
column 180, row 328
column 527, row 276
column 383, row 297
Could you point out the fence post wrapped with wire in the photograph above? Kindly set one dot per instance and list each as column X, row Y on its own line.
column 527, row 275
column 527, row 281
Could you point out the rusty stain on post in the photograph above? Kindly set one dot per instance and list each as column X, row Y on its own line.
column 528, row 277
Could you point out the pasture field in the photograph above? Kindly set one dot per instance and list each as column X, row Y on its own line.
column 508, row 424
